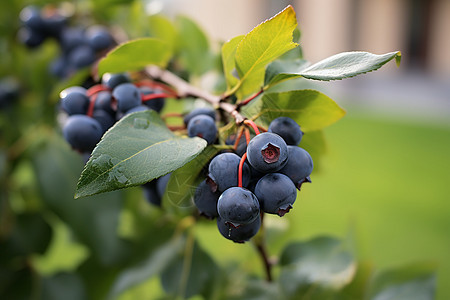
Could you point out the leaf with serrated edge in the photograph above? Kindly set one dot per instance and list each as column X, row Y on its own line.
column 259, row 47
column 228, row 53
column 341, row 66
column 135, row 55
column 311, row 109
column 137, row 149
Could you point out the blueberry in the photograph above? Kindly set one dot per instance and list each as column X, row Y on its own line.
column 299, row 166
column 74, row 100
column 104, row 102
column 240, row 234
column 71, row 38
column 54, row 25
column 81, row 56
column 99, row 38
column 203, row 126
column 199, row 111
column 161, row 185
column 151, row 194
column 156, row 104
column 82, row 132
column 206, row 200
column 223, row 172
column 276, row 193
column 113, row 80
column 58, row 67
column 238, row 206
column 242, row 144
column 105, row 119
column 288, row 129
column 29, row 37
column 127, row 96
column 31, row 17
column 267, row 152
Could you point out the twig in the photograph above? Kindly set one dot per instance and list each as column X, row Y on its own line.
column 184, row 89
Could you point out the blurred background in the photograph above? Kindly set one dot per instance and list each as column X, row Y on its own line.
column 384, row 178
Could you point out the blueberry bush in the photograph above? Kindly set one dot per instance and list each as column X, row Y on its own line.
column 119, row 115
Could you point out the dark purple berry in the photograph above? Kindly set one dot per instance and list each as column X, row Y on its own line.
column 206, row 200
column 223, row 172
column 203, row 126
column 82, row 132
column 267, row 152
column 127, row 96
column 238, row 206
column 299, row 166
column 288, row 129
column 276, row 193
column 239, row 234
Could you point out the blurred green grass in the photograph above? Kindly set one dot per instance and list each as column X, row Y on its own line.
column 383, row 180
column 387, row 180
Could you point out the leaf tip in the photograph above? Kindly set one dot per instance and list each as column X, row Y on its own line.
column 398, row 58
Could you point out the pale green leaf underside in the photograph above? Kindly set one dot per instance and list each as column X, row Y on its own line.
column 260, row 46
column 135, row 55
column 337, row 67
column 137, row 149
column 311, row 109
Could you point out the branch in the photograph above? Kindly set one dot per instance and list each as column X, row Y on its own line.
column 184, row 89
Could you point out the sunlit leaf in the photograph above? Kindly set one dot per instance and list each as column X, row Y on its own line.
column 311, row 109
column 260, row 46
column 135, row 55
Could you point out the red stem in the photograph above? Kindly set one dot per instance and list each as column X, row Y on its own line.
column 246, row 101
column 96, row 89
column 247, row 135
column 241, row 166
column 253, row 125
column 91, row 107
column 155, row 96
column 261, row 128
column 155, row 85
column 238, row 138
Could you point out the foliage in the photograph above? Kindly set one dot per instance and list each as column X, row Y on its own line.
column 127, row 241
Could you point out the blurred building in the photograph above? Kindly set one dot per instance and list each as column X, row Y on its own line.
column 418, row 28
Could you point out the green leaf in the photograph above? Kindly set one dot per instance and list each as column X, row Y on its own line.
column 323, row 262
column 412, row 282
column 311, row 109
column 281, row 70
column 135, row 55
column 162, row 28
column 63, row 286
column 193, row 272
column 259, row 47
column 340, row 66
column 94, row 221
column 229, row 64
column 136, row 150
column 183, row 182
column 155, row 263
column 194, row 51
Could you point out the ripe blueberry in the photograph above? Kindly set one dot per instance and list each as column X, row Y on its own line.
column 203, row 126
column 238, row 206
column 299, row 166
column 82, row 132
column 223, row 172
column 239, row 234
column 199, row 111
column 127, row 96
column 74, row 100
column 288, row 129
column 267, row 152
column 206, row 200
column 276, row 193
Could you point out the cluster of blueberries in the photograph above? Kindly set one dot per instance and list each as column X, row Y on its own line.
column 80, row 47
column 274, row 168
column 90, row 116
